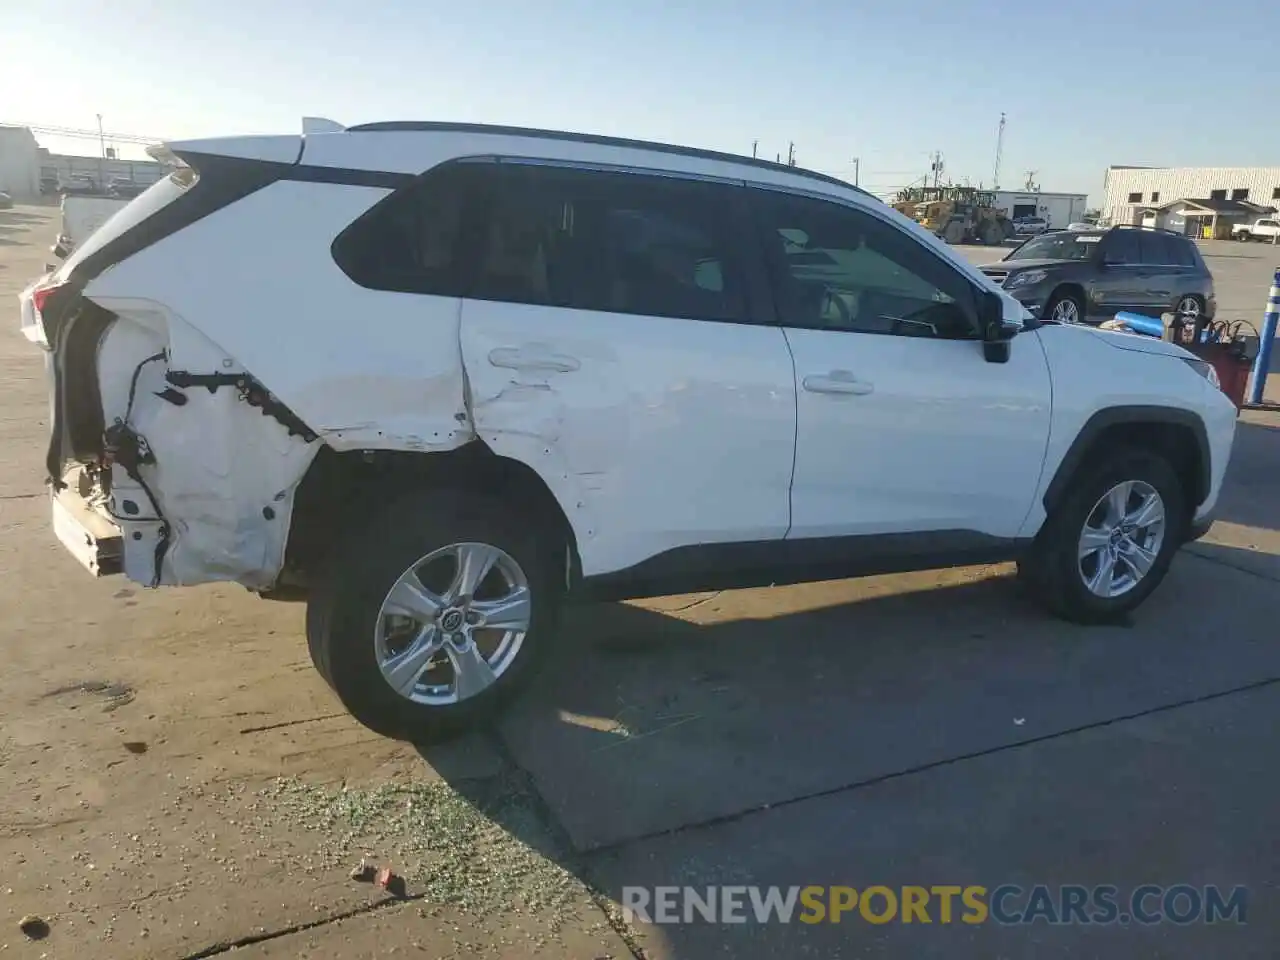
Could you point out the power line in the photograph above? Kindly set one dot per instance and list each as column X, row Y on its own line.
column 80, row 133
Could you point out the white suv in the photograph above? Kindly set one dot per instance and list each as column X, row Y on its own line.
column 437, row 378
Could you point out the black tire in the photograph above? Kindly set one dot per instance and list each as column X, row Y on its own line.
column 992, row 233
column 1051, row 570
column 343, row 608
column 1061, row 295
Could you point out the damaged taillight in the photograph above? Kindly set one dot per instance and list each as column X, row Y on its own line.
column 40, row 296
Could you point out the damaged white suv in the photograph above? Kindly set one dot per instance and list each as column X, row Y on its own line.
column 437, row 378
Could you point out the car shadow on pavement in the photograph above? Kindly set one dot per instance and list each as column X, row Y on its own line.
column 16, row 216
column 1248, row 495
column 648, row 723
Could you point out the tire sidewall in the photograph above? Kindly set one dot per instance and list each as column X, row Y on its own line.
column 361, row 574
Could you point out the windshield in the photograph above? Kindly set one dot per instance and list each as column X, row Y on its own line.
column 1057, row 246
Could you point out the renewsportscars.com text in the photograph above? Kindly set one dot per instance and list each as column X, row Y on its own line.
column 1007, row 904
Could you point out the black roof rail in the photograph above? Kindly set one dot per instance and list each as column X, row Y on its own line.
column 392, row 126
column 1141, row 226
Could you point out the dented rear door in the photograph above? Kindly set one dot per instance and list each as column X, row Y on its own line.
column 608, row 344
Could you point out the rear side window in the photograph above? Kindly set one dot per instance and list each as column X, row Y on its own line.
column 1197, row 260
column 411, row 241
column 1159, row 249
column 1182, row 251
column 612, row 242
column 1122, row 247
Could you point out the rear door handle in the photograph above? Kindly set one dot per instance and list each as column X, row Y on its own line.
column 837, row 381
column 533, row 358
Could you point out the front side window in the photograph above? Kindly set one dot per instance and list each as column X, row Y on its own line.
column 838, row 268
column 612, row 242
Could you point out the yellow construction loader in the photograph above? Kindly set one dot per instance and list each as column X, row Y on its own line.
column 957, row 214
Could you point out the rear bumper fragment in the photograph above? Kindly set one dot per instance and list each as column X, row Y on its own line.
column 91, row 537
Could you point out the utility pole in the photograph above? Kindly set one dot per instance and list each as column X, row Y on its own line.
column 936, row 166
column 856, row 164
column 791, row 154
column 995, row 179
column 755, row 145
column 102, row 153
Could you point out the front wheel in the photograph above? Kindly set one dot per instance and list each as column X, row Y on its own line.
column 1109, row 542
column 435, row 613
column 1065, row 307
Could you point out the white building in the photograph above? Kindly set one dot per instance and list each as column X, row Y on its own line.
column 1201, row 201
column 27, row 170
column 19, row 163
column 1058, row 209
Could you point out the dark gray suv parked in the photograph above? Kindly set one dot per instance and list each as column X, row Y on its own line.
column 1088, row 276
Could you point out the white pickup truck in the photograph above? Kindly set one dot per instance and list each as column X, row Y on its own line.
column 1268, row 228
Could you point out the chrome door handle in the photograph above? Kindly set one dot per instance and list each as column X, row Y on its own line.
column 837, row 381
column 533, row 358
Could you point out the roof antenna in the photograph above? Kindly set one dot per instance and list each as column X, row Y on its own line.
column 321, row 125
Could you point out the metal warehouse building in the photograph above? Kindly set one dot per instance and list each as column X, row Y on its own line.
column 1200, row 201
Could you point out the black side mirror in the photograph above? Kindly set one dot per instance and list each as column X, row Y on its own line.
column 997, row 332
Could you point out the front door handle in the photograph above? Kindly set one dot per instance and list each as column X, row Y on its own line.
column 532, row 357
column 837, row 381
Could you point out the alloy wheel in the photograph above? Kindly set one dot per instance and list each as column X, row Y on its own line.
column 1121, row 539
column 1065, row 311
column 453, row 623
column 1188, row 308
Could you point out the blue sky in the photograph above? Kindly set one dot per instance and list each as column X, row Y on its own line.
column 1083, row 83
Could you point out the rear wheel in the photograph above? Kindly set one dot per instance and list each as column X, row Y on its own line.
column 991, row 233
column 430, row 617
column 1109, row 542
column 1189, row 308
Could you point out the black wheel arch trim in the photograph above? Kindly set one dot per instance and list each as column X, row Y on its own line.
column 1069, row 288
column 1103, row 419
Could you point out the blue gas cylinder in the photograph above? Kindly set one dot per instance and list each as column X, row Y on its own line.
column 1140, row 324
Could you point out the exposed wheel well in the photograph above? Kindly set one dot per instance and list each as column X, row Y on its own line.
column 1067, row 289
column 344, row 489
column 1176, row 442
